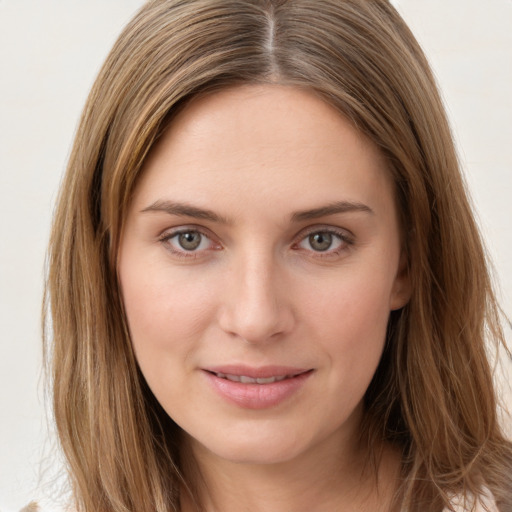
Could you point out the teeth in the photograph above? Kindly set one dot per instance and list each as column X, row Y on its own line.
column 249, row 380
column 268, row 380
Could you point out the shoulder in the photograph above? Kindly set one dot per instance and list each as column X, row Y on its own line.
column 31, row 507
column 37, row 506
column 484, row 503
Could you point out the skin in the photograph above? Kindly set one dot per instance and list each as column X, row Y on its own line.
column 257, row 291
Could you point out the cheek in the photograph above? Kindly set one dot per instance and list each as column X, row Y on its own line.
column 167, row 319
column 350, row 318
column 166, row 311
column 357, row 301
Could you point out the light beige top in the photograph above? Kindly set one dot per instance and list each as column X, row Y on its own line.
column 485, row 504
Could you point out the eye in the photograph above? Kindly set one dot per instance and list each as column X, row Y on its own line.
column 325, row 241
column 188, row 242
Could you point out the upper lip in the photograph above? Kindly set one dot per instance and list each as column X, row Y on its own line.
column 261, row 372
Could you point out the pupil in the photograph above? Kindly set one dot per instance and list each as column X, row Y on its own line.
column 189, row 241
column 320, row 241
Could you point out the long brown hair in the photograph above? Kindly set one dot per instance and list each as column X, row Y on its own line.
column 432, row 395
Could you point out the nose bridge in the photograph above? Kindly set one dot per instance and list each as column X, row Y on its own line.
column 256, row 309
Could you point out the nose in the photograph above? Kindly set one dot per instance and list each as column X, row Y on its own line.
column 257, row 307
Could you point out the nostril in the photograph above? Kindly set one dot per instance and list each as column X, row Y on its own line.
column 256, row 325
column 253, row 305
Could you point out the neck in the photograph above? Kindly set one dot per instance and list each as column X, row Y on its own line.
column 322, row 480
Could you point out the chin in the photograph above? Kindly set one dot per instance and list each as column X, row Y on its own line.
column 258, row 455
column 273, row 448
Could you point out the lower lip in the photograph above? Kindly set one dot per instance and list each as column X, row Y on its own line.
column 257, row 396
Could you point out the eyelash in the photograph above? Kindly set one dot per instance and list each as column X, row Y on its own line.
column 183, row 253
column 343, row 236
column 346, row 240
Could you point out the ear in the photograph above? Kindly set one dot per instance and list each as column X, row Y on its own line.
column 401, row 290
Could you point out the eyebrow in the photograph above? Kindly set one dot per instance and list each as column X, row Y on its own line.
column 188, row 210
column 331, row 209
column 184, row 210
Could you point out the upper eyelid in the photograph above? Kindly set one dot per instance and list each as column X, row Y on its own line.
column 342, row 232
column 346, row 238
column 170, row 232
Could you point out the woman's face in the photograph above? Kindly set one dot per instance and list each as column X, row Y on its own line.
column 259, row 262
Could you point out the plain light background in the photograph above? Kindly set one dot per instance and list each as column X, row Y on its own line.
column 50, row 52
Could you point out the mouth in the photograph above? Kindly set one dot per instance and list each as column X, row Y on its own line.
column 256, row 375
column 245, row 379
column 257, row 388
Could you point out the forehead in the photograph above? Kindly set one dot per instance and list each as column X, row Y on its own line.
column 273, row 141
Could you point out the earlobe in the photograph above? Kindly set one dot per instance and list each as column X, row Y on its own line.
column 402, row 290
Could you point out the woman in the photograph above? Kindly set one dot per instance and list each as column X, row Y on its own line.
column 267, row 287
